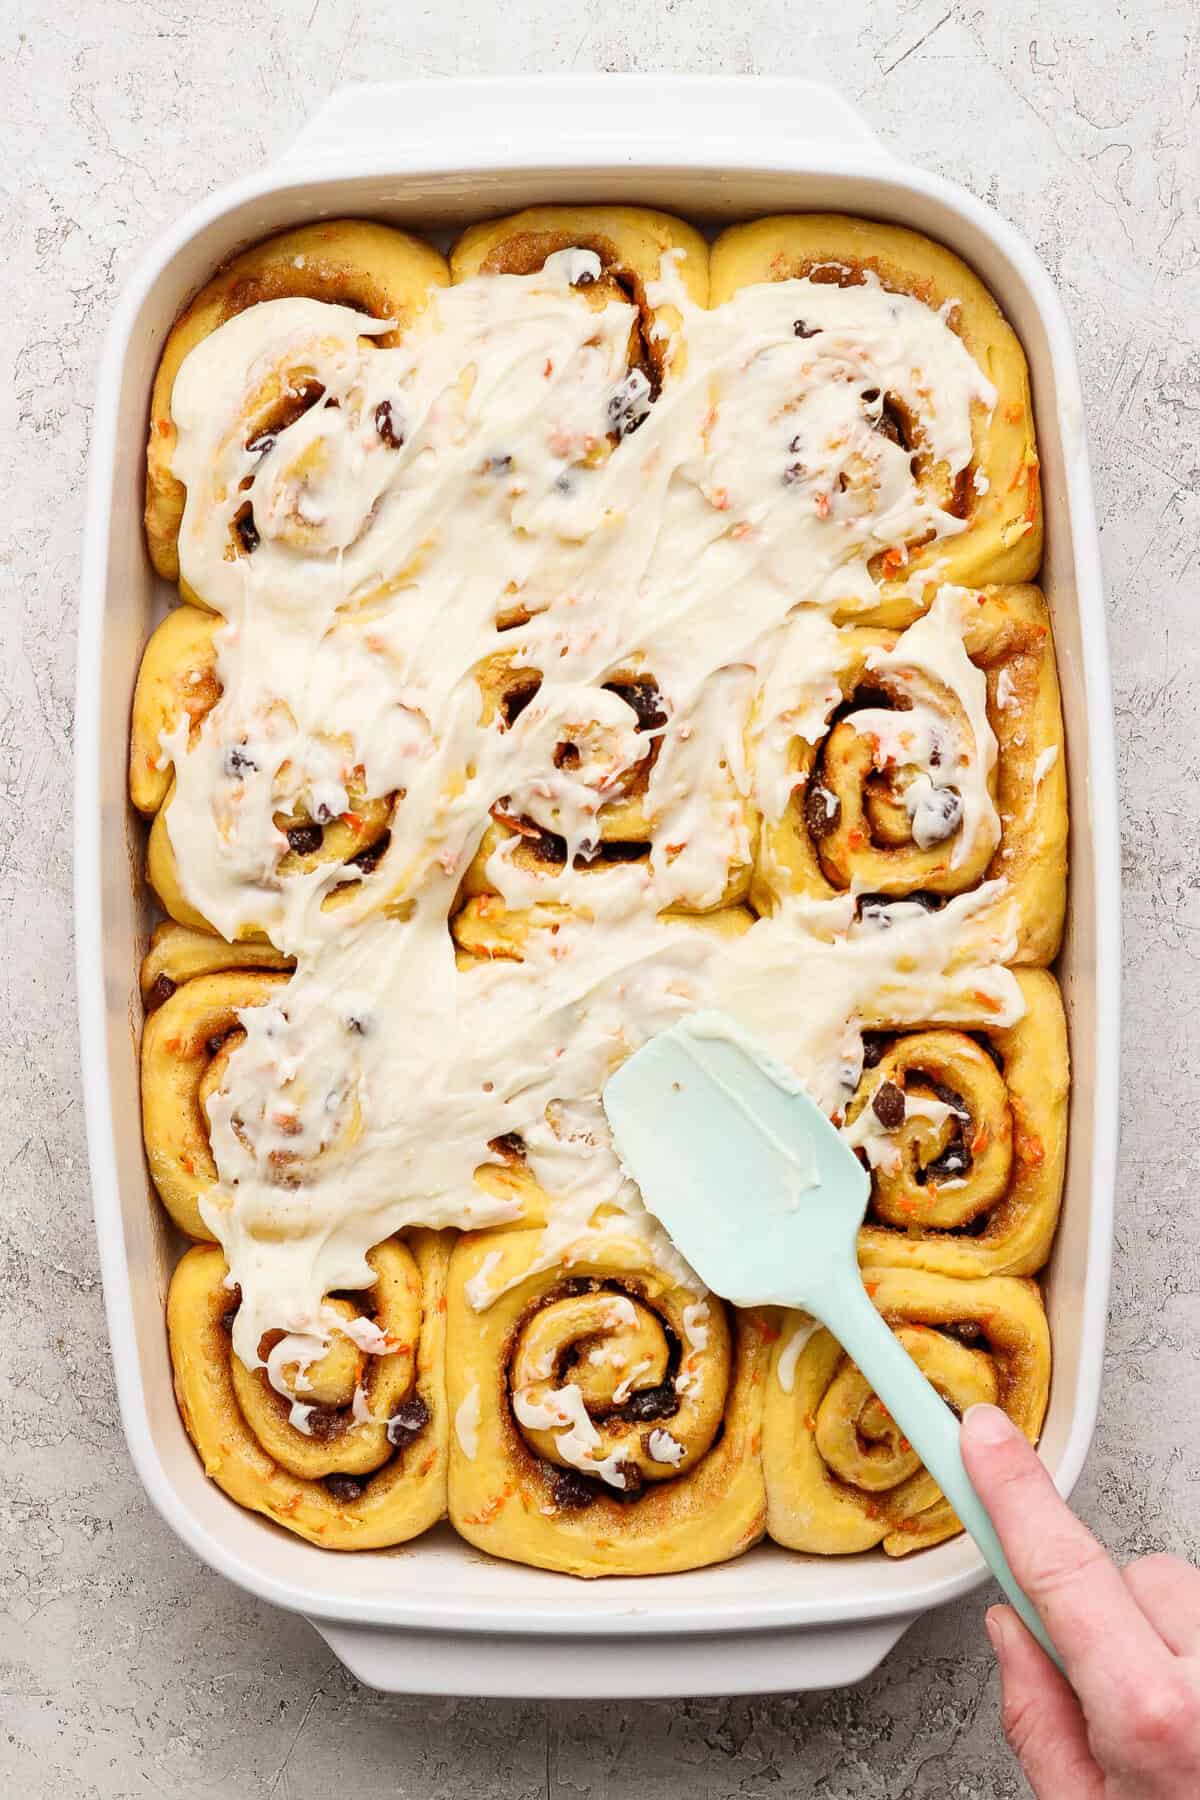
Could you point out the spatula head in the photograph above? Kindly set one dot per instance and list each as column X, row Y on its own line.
column 758, row 1190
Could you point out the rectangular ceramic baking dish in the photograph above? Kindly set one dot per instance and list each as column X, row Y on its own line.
column 435, row 1617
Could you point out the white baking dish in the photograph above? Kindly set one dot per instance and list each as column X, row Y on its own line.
column 435, row 1617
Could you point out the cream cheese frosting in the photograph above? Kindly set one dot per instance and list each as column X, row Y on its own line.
column 369, row 559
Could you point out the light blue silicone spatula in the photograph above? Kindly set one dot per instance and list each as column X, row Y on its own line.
column 764, row 1198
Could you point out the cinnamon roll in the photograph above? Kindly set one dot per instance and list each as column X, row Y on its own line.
column 840, row 1475
column 177, row 681
column 606, row 790
column 862, row 290
column 617, row 254
column 567, row 654
column 339, row 1434
column 325, row 820
column 349, row 845
column 177, row 954
column 964, row 1132
column 606, row 1416
column 373, row 269
column 911, row 767
column 187, row 1042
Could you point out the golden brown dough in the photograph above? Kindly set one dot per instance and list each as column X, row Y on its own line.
column 847, row 824
column 688, row 1455
column 977, row 1191
column 348, row 1483
column 840, row 1475
column 177, row 954
column 186, row 1046
column 178, row 676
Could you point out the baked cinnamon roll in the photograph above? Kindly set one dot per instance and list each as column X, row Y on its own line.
column 606, row 1417
column 338, row 1434
column 964, row 1132
column 187, row 1042
column 606, row 791
column 840, row 1475
column 618, row 254
column 911, row 767
column 904, row 330
column 177, row 953
column 610, row 749
column 373, row 269
column 177, row 682
column 325, row 820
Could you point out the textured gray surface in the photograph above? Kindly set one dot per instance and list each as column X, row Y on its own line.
column 127, row 1669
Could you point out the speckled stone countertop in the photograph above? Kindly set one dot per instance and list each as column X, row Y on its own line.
column 127, row 1668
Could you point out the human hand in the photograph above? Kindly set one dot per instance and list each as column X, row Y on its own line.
column 1127, row 1724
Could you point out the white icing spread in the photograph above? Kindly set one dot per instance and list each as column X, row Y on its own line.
column 580, row 266
column 953, row 748
column 695, row 1325
column 478, row 1289
column 663, row 1448
column 1043, row 765
column 294, row 1351
column 624, row 1387
column 707, row 550
column 868, row 1132
column 1006, row 694
column 580, row 1443
column 466, row 1423
column 785, row 1368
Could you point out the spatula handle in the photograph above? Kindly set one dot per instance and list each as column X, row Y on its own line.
column 928, row 1424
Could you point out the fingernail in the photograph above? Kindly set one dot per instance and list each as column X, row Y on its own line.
column 988, row 1425
column 996, row 1625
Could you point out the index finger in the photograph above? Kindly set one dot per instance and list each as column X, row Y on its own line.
column 1106, row 1642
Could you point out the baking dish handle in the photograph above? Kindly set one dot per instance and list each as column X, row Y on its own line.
column 650, row 1665
column 679, row 119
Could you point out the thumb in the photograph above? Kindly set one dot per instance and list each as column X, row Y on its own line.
column 1041, row 1716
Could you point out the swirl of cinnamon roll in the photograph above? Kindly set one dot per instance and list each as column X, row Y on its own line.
column 874, row 806
column 322, row 814
column 841, row 1476
column 617, row 252
column 606, row 1416
column 604, row 791
column 339, row 1437
column 965, row 1134
column 601, row 749
column 187, row 1042
column 987, row 495
column 916, row 766
column 376, row 270
column 177, row 954
column 308, row 839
